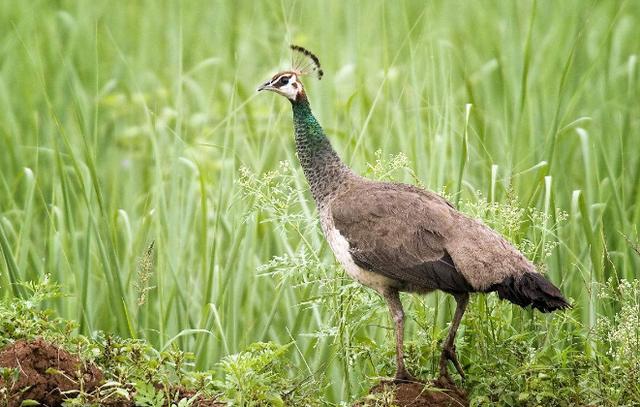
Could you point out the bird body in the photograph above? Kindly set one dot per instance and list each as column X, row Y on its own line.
column 394, row 237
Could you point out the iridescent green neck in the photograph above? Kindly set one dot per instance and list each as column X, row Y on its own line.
column 323, row 168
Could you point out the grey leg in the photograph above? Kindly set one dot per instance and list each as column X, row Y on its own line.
column 397, row 315
column 448, row 348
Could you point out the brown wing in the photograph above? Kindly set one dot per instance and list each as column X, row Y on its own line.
column 399, row 231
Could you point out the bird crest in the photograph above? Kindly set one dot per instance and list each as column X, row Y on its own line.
column 305, row 62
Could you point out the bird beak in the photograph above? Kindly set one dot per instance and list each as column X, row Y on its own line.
column 265, row 86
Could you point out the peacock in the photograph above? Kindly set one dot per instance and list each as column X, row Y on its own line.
column 394, row 237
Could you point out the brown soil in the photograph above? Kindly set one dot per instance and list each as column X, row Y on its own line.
column 439, row 393
column 46, row 371
column 49, row 374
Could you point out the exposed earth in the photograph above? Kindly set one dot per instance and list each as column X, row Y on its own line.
column 46, row 372
column 439, row 393
column 49, row 374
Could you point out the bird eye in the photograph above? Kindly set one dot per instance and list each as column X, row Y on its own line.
column 284, row 80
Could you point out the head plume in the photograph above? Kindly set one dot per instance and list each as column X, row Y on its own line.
column 305, row 62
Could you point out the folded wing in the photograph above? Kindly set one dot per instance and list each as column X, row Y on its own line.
column 400, row 232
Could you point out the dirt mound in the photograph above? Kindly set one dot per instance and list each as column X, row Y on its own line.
column 45, row 373
column 439, row 393
column 49, row 374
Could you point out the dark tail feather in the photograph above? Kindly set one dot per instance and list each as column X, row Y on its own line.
column 531, row 289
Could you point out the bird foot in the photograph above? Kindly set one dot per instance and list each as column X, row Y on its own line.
column 449, row 353
column 444, row 381
column 404, row 377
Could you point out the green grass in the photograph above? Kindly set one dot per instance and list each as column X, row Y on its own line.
column 127, row 124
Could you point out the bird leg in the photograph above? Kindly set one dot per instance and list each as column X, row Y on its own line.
column 448, row 348
column 397, row 315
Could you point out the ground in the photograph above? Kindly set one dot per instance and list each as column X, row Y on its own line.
column 45, row 373
column 439, row 393
column 49, row 374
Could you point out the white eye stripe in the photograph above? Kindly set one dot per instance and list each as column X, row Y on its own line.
column 283, row 80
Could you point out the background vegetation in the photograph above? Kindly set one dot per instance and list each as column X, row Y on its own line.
column 128, row 124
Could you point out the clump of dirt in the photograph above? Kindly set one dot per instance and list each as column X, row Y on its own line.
column 47, row 373
column 439, row 393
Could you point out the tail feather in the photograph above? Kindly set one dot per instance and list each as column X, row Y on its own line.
column 531, row 289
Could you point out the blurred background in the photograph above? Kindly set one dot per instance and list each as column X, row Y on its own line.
column 142, row 172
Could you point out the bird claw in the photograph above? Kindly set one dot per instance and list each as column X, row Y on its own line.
column 449, row 353
column 404, row 377
column 445, row 379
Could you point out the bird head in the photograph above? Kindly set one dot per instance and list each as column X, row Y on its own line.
column 287, row 83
